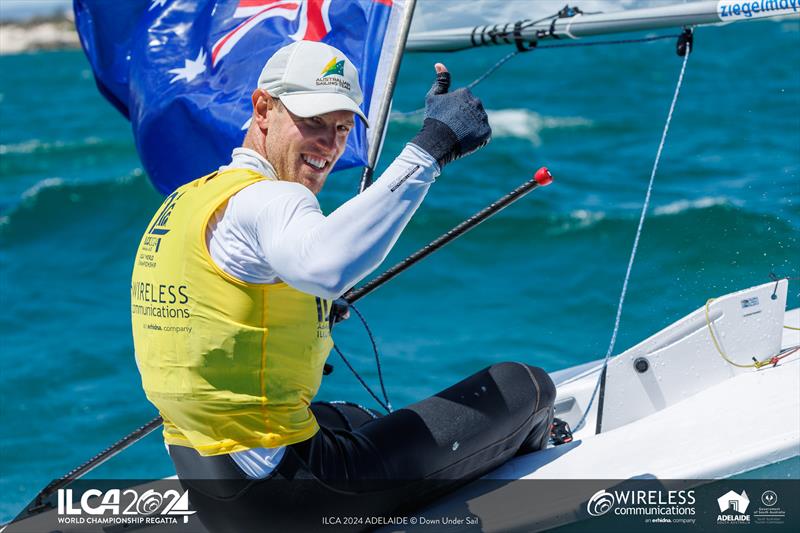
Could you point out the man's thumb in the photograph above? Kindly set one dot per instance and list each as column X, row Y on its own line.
column 441, row 85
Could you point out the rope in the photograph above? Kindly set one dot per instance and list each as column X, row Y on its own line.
column 361, row 380
column 506, row 58
column 756, row 363
column 635, row 244
column 610, row 42
column 488, row 73
column 377, row 356
column 385, row 403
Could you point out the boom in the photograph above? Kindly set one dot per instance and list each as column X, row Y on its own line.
column 574, row 24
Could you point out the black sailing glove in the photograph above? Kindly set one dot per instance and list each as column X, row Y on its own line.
column 455, row 123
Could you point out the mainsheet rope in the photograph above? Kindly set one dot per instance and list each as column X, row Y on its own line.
column 506, row 58
column 635, row 248
column 385, row 404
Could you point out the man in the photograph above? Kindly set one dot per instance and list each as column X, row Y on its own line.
column 242, row 267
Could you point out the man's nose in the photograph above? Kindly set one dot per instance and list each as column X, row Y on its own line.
column 327, row 138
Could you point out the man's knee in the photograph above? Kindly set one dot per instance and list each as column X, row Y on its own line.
column 547, row 389
column 517, row 375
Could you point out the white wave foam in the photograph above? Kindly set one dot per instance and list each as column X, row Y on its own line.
column 522, row 123
column 585, row 218
column 47, row 183
column 25, row 147
column 577, row 219
column 35, row 145
column 528, row 124
column 680, row 206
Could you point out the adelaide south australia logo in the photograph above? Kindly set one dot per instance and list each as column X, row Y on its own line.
column 733, row 508
column 333, row 74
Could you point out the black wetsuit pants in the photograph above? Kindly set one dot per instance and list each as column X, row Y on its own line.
column 362, row 464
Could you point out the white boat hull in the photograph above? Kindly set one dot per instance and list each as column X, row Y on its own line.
column 740, row 422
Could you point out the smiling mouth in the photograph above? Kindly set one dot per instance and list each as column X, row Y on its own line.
column 317, row 163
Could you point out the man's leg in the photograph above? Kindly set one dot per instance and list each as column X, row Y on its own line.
column 343, row 415
column 458, row 434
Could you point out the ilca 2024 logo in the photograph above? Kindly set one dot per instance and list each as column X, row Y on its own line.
column 123, row 506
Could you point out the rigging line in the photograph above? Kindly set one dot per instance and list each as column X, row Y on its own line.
column 361, row 380
column 510, row 55
column 610, row 42
column 525, row 24
column 488, row 73
column 377, row 356
column 386, row 404
column 645, row 206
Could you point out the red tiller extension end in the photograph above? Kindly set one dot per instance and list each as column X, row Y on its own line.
column 543, row 176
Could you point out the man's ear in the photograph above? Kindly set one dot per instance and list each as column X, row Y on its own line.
column 263, row 104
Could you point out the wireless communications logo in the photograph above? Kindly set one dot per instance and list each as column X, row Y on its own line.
column 123, row 507
column 653, row 506
column 600, row 503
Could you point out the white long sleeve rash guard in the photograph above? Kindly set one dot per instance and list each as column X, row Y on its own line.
column 274, row 231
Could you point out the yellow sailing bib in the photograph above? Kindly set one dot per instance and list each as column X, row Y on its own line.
column 230, row 365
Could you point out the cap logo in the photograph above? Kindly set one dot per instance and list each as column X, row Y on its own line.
column 333, row 68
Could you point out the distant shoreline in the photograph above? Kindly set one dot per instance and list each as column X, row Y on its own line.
column 55, row 32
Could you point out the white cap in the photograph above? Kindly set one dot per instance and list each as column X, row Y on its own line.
column 312, row 78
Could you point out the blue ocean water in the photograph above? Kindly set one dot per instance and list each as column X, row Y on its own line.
column 537, row 283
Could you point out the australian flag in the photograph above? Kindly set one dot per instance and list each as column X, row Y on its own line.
column 182, row 71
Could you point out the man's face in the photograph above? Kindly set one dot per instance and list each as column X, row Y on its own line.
column 304, row 150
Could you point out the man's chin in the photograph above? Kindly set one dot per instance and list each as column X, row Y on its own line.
column 314, row 183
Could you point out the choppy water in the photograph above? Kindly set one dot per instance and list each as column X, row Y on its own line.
column 538, row 283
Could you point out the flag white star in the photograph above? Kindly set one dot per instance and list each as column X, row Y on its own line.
column 191, row 68
column 156, row 3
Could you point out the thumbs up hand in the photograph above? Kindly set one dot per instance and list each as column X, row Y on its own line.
column 455, row 123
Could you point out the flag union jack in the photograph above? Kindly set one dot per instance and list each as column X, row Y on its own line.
column 312, row 15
